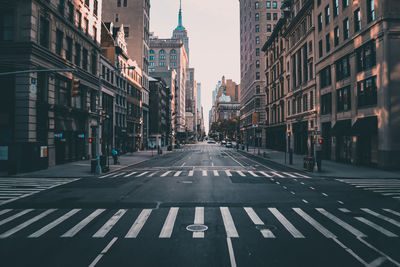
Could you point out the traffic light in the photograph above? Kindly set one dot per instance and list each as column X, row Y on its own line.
column 103, row 115
column 91, row 140
column 320, row 141
column 75, row 83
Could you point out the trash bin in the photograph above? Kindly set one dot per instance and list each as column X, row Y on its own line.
column 308, row 163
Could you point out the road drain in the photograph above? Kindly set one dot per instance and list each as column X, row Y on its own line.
column 197, row 228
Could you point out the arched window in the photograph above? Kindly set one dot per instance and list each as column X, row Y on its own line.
column 173, row 52
column 151, row 51
column 162, row 51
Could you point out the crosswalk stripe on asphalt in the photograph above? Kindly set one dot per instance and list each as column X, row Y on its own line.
column 257, row 221
column 168, row 227
column 199, row 220
column 285, row 222
column 15, row 216
column 314, row 223
column 383, row 217
column 230, row 228
column 102, row 232
column 138, row 224
column 74, row 230
column 376, row 227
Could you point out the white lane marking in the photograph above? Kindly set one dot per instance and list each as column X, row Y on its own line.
column 293, row 193
column 138, row 224
column 103, row 231
column 389, row 194
column 343, row 224
column 231, row 253
column 216, row 173
column 265, row 174
column 257, row 221
column 166, row 173
column 284, row 187
column 277, row 182
column 340, row 202
column 241, row 173
column 252, row 173
column 152, row 174
column 228, row 173
column 344, row 210
column 302, row 175
column 191, row 173
column 105, row 250
column 277, row 174
column 377, row 250
column 26, row 224
column 105, row 176
column 228, row 222
column 204, row 172
column 130, row 174
column 74, row 230
column 375, row 226
column 289, row 174
column 288, row 225
column 168, row 227
column 377, row 262
column 351, row 252
column 302, row 183
column 234, row 160
column 53, row 224
column 199, row 219
column 305, row 201
column 118, row 174
column 212, row 164
column 183, row 164
column 15, row 216
column 312, row 188
column 383, row 217
column 392, row 212
column 177, row 173
column 142, row 174
column 325, row 195
column 314, row 223
column 5, row 211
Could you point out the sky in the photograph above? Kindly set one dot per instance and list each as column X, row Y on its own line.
column 214, row 39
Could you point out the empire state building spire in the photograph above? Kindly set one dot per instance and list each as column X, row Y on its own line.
column 180, row 24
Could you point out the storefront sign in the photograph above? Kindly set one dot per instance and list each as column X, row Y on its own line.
column 3, row 152
column 43, row 151
column 81, row 136
column 58, row 135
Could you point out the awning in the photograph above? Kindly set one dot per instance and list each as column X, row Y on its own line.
column 366, row 125
column 342, row 127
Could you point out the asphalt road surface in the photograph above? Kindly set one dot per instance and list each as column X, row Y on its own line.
column 202, row 205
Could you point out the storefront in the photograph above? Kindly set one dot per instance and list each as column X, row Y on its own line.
column 276, row 137
column 341, row 131
column 300, row 134
column 366, row 138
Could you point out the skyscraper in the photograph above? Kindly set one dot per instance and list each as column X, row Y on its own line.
column 181, row 33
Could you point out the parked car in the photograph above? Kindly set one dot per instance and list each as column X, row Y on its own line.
column 211, row 141
column 229, row 144
column 223, row 142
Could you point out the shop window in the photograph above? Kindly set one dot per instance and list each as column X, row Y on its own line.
column 326, row 104
column 343, row 99
column 367, row 92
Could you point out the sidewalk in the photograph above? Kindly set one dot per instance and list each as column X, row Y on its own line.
column 329, row 168
column 82, row 168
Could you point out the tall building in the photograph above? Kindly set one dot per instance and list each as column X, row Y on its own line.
column 227, row 104
column 257, row 20
column 134, row 15
column 181, row 33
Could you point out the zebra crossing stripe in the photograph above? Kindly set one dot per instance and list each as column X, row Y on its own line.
column 228, row 223
column 5, row 211
column 265, row 174
column 216, row 173
column 241, row 173
column 74, row 230
column 105, row 176
column 314, row 223
column 392, row 212
column 289, row 174
column 277, row 174
column 26, row 224
column 102, row 232
column 228, row 173
column 166, row 173
column 252, row 173
column 177, row 173
column 343, row 224
column 169, row 223
column 191, row 173
column 257, row 221
column 53, row 224
column 142, row 174
column 199, row 219
column 204, row 173
column 302, row 175
column 376, row 227
column 138, row 224
column 118, row 174
column 15, row 216
column 383, row 217
column 288, row 225
column 131, row 174
column 152, row 174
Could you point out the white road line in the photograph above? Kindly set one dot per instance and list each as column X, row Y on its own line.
column 168, row 227
column 252, row 173
column 105, row 250
column 74, row 230
column 376, row 227
column 53, row 224
column 105, row 176
column 344, row 210
column 289, row 174
column 314, row 223
column 325, row 195
column 130, row 174
column 142, row 174
column 177, row 173
column 152, row 174
column 183, row 164
column 305, row 201
column 277, row 174
column 302, row 175
column 191, row 173
column 257, row 221
column 166, row 173
column 15, row 216
column 5, row 211
column 293, row 193
column 231, row 253
column 377, row 250
column 199, row 219
column 204, row 172
column 284, row 187
column 228, row 222
column 340, row 202
column 389, row 194
column 383, row 217
column 26, row 224
column 234, row 160
column 351, row 252
column 228, row 173
column 265, row 174
column 343, row 224
column 288, row 225
column 392, row 212
column 138, row 224
column 312, row 188
column 216, row 173
column 103, row 231
column 241, row 173
column 302, row 183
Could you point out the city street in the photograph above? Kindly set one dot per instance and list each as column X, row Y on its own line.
column 202, row 205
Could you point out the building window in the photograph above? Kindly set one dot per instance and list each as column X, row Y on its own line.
column 335, row 8
column 172, row 57
column 311, row 100
column 320, row 22
column 257, row 89
column 370, row 10
column 44, row 32
column 94, row 62
column 367, row 92
column 61, row 6
column 357, row 20
column 62, row 92
column 342, row 67
column 343, row 99
column 275, row 16
column 346, row 29
column 328, row 42
column 151, row 51
column 86, row 25
column 310, row 48
column 78, row 54
column 268, row 27
column 87, row 3
column 336, row 36
column 59, row 42
column 162, row 51
column 68, row 50
column 268, row 4
column 345, row 3
column 84, row 59
column 78, row 19
column 327, row 15
column 257, row 64
column 151, row 57
column 366, row 56
column 257, row 16
column 320, row 52
column 299, row 105
column 151, row 64
column 305, row 103
column 257, row 5
column 311, row 71
column 325, row 77
column 257, row 28
column 125, row 3
column 118, row 3
column 257, row 52
column 95, row 7
column 326, row 104
column 173, row 52
column 257, row 40
column 94, row 33
column 126, row 32
column 268, row 16
column 274, row 4
column 257, row 75
column 70, row 12
column 318, row 2
column 161, row 64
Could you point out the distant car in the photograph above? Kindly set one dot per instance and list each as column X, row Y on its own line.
column 229, row 144
column 223, row 143
column 211, row 141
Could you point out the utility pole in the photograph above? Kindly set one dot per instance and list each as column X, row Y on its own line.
column 98, row 148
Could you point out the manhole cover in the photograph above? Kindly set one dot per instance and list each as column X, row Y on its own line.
column 266, row 227
column 197, row 228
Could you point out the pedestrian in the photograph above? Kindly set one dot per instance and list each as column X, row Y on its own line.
column 115, row 156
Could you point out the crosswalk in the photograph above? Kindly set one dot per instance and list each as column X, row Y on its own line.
column 12, row 189
column 166, row 223
column 385, row 187
column 206, row 173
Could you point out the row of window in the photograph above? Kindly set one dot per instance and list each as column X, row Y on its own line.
column 172, row 57
column 274, row 16
column 268, row 4
column 301, row 104
column 162, row 52
column 336, row 38
column 163, row 64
